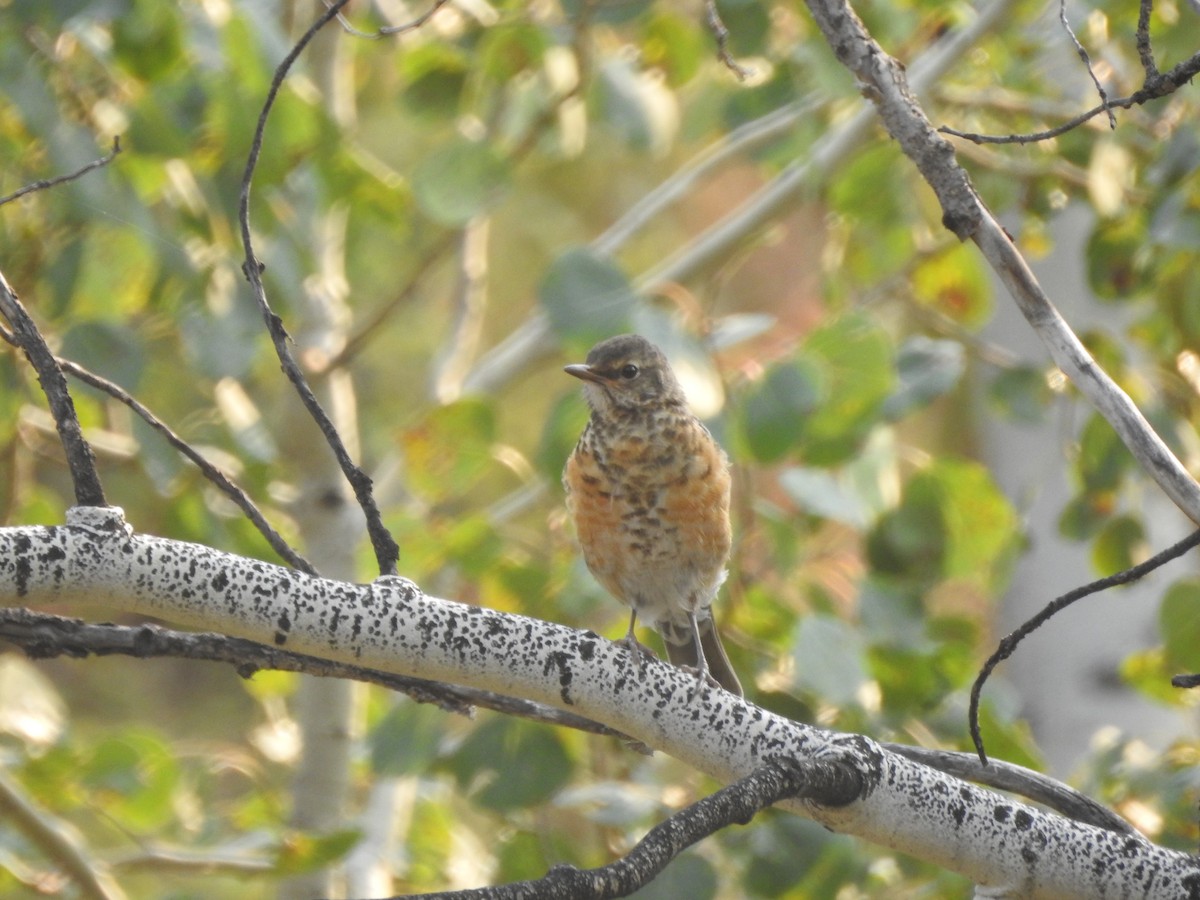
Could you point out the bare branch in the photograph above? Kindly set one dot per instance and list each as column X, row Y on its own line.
column 716, row 25
column 1009, row 644
column 827, row 782
column 964, row 214
column 1145, row 50
column 62, row 179
column 80, row 458
column 211, row 472
column 1087, row 62
column 386, row 550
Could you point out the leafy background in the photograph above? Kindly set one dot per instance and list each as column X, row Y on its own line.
column 423, row 199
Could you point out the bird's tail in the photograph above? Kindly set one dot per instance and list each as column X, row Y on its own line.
column 682, row 650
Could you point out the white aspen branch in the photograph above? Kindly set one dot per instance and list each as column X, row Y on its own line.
column 1008, row 848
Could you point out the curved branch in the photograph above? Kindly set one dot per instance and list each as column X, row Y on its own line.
column 387, row 552
column 62, row 179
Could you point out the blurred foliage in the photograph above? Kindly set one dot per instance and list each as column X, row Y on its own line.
column 872, row 544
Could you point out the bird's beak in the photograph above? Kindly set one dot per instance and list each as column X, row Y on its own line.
column 584, row 372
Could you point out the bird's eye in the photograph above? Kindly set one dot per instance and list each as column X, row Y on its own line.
column 629, row 372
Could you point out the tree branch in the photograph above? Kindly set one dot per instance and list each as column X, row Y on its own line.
column 391, row 626
column 80, row 458
column 45, row 636
column 827, row 782
column 1008, row 645
column 63, row 179
column 386, row 550
column 964, row 214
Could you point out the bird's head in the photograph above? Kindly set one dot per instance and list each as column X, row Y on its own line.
column 627, row 372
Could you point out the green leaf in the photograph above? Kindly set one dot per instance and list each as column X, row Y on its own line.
column 1120, row 545
column 927, row 369
column 299, row 853
column 449, row 449
column 510, row 764
column 638, row 105
column 1179, row 624
column 854, row 358
column 829, row 659
column 952, row 522
column 586, row 297
column 1021, row 394
column 459, row 181
column 826, row 494
column 954, row 283
column 560, row 432
column 1116, row 257
column 1084, row 515
column 406, row 740
column 775, row 411
column 1103, row 459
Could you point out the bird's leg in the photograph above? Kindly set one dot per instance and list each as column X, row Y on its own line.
column 636, row 648
column 701, row 667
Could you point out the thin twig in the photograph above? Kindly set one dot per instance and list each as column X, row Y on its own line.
column 712, row 18
column 1160, row 85
column 1009, row 644
column 415, row 23
column 387, row 552
column 61, row 179
column 211, row 472
column 388, row 29
column 1087, row 62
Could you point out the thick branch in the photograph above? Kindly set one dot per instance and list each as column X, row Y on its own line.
column 390, row 625
column 44, row 636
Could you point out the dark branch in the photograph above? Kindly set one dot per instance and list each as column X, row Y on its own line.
column 1009, row 644
column 827, row 782
column 1087, row 63
column 44, row 636
column 62, row 179
column 211, row 472
column 386, row 550
column 80, row 459
column 716, row 25
column 1160, row 85
column 1145, row 50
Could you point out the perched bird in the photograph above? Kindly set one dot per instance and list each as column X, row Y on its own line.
column 648, row 489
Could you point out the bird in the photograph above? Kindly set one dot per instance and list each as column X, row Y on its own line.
column 648, row 489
